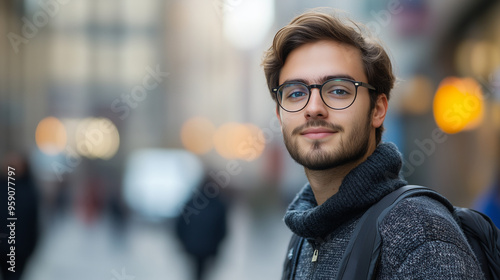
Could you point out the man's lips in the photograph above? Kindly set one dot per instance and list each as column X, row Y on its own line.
column 317, row 132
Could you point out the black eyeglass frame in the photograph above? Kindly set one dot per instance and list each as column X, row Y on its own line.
column 320, row 87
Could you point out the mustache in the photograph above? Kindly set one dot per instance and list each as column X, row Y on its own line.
column 317, row 123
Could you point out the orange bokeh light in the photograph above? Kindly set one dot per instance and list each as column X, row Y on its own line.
column 239, row 141
column 51, row 136
column 458, row 104
column 197, row 134
column 226, row 139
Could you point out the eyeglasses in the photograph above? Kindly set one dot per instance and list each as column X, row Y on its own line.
column 337, row 94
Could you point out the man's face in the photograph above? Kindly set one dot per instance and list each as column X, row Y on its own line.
column 318, row 137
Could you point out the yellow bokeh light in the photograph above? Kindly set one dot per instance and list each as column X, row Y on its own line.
column 477, row 58
column 225, row 138
column 251, row 146
column 197, row 135
column 97, row 138
column 458, row 104
column 239, row 141
column 484, row 58
column 51, row 136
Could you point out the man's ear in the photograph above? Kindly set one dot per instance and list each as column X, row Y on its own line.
column 379, row 110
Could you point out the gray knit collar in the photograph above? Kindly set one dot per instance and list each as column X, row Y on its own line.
column 362, row 187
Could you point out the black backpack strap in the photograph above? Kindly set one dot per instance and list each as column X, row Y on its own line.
column 363, row 250
column 292, row 257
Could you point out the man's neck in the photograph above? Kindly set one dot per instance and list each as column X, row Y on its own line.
column 326, row 183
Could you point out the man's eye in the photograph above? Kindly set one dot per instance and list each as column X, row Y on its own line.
column 297, row 94
column 339, row 92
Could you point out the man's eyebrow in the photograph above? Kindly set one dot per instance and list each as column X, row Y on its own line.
column 320, row 80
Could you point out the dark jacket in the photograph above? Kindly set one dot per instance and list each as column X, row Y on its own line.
column 420, row 238
column 204, row 230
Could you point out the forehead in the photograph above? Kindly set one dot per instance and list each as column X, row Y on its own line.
column 314, row 61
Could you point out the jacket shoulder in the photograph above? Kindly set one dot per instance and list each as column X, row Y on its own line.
column 415, row 227
column 416, row 220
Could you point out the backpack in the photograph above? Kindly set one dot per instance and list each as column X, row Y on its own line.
column 363, row 251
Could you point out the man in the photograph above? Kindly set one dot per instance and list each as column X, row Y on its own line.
column 332, row 86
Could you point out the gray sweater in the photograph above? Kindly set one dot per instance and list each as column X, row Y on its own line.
column 420, row 238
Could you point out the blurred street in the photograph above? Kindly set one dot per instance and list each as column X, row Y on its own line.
column 69, row 249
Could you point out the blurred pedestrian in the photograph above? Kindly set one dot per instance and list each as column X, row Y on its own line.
column 21, row 239
column 489, row 202
column 331, row 84
column 203, row 225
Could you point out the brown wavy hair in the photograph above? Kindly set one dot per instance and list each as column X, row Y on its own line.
column 319, row 25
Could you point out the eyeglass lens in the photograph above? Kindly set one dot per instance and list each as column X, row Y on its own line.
column 337, row 94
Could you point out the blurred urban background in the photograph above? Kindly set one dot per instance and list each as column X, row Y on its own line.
column 145, row 143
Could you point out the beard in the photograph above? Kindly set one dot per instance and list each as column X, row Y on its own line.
column 319, row 156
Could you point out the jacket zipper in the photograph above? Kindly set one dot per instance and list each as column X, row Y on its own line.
column 314, row 260
column 315, row 255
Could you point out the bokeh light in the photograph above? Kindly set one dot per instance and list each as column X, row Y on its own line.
column 226, row 139
column 51, row 136
column 197, row 135
column 458, row 104
column 97, row 138
column 252, row 146
column 484, row 58
column 477, row 58
column 239, row 141
column 156, row 183
column 248, row 22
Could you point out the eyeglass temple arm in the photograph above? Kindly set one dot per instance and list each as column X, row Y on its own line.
column 368, row 86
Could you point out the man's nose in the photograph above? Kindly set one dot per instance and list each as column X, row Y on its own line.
column 315, row 108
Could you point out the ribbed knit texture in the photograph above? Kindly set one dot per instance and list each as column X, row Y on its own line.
column 362, row 187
